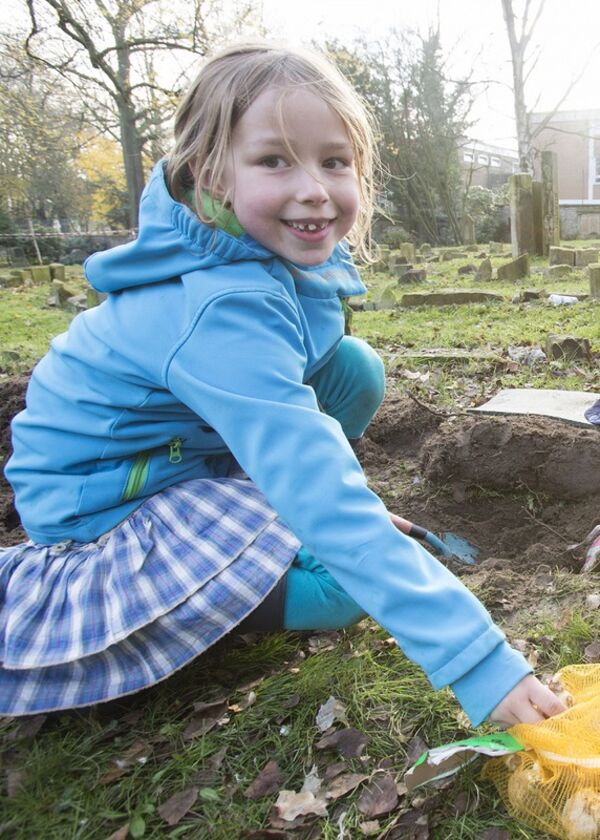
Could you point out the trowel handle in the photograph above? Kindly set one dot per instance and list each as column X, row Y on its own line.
column 419, row 533
column 409, row 528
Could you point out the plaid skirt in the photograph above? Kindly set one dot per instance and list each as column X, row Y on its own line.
column 81, row 623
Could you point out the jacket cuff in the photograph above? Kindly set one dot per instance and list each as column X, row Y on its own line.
column 481, row 689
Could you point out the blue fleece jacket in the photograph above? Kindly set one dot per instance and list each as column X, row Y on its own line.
column 200, row 353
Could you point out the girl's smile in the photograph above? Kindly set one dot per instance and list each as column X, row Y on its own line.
column 291, row 176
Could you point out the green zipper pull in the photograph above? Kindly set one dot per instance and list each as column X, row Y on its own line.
column 175, row 456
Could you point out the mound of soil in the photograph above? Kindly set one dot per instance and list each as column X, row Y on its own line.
column 12, row 400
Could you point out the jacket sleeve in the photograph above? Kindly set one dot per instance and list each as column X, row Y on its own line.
column 240, row 367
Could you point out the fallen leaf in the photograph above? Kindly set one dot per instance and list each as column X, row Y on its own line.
column 343, row 784
column 248, row 701
column 207, row 709
column 322, row 642
column 592, row 601
column 28, row 727
column 592, row 652
column 370, row 827
column 121, row 833
column 178, row 805
column 206, row 720
column 334, row 770
column 380, row 797
column 267, row 782
column 494, row 834
column 415, row 749
column 15, row 781
column 348, row 742
column 329, row 712
column 290, row 805
column 136, row 753
column 291, row 702
column 312, row 782
column 266, row 834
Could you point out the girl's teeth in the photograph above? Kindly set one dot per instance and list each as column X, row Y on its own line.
column 309, row 227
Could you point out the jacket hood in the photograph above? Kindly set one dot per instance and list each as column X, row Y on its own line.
column 173, row 241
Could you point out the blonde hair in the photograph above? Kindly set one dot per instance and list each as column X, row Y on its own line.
column 225, row 88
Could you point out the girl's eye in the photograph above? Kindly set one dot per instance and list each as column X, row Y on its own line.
column 335, row 163
column 273, row 162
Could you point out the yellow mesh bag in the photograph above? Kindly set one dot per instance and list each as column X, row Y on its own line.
column 554, row 785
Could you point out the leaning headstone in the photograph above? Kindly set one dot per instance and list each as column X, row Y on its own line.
column 484, row 272
column 567, row 347
column 414, row 275
column 387, row 299
column 57, row 271
column 40, row 274
column 400, row 269
column 396, row 258
column 537, row 194
column 467, row 269
column 558, row 271
column 77, row 303
column 561, row 256
column 514, row 270
column 468, row 229
column 59, row 294
column 550, row 203
column 521, row 214
column 93, row 298
column 586, row 256
column 408, row 250
column 594, row 275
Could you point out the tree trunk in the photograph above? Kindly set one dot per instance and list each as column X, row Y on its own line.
column 132, row 158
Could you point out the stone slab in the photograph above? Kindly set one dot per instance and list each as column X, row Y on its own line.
column 568, row 406
column 449, row 298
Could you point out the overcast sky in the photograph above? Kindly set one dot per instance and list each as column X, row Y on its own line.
column 567, row 34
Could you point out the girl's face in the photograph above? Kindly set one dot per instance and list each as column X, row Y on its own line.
column 297, row 205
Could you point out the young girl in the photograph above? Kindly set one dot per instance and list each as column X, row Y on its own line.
column 184, row 462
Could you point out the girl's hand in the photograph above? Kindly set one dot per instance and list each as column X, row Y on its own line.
column 528, row 702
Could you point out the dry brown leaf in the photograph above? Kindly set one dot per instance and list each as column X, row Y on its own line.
column 120, row 833
column 415, row 749
column 15, row 781
column 175, row 808
column 592, row 652
column 244, row 704
column 268, row 781
column 380, row 797
column 348, row 742
column 343, row 784
column 206, row 720
column 329, row 712
column 290, row 805
column 207, row 709
column 291, row 702
column 328, row 640
column 334, row 770
column 370, row 827
column 266, row 834
column 136, row 753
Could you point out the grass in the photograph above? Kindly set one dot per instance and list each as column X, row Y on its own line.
column 57, row 787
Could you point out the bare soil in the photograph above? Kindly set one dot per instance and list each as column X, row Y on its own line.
column 521, row 489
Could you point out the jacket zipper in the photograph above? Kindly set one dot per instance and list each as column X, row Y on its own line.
column 138, row 474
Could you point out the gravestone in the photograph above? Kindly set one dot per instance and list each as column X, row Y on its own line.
column 414, row 275
column 561, row 256
column 449, row 297
column 468, row 230
column 538, row 217
column 567, row 347
column 586, row 256
column 514, row 270
column 407, row 249
column 550, row 205
column 484, row 272
column 558, row 271
column 594, row 274
column 521, row 214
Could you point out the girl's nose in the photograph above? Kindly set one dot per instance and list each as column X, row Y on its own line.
column 310, row 189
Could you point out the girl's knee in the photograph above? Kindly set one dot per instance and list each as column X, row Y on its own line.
column 360, row 363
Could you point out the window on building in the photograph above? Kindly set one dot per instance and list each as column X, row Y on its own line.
column 495, row 161
column 483, row 159
column 467, row 157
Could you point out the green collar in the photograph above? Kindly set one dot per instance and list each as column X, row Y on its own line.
column 222, row 217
